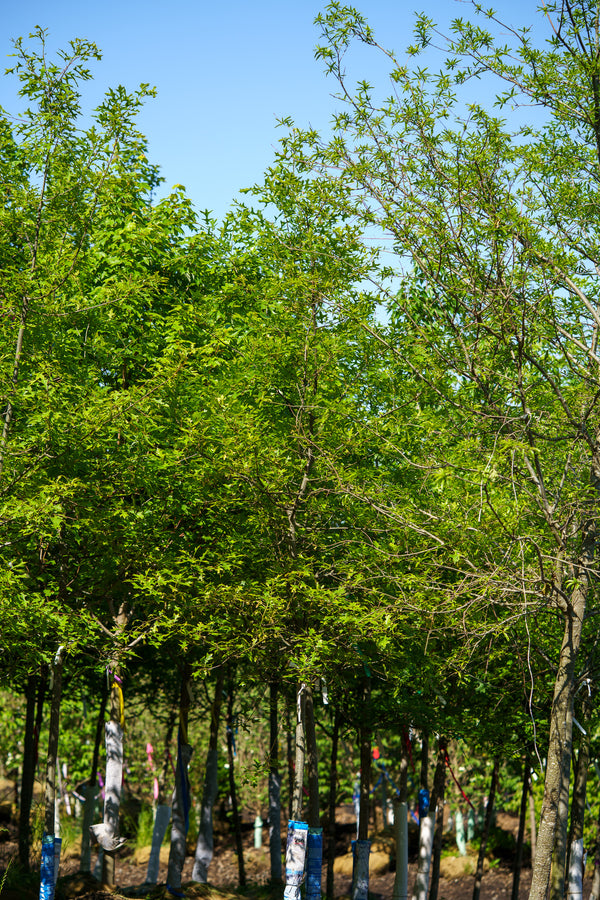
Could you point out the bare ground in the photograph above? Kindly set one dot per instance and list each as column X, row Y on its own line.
column 456, row 882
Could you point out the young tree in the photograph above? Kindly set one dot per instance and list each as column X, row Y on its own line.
column 494, row 228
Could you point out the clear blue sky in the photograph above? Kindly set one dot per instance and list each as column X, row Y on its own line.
column 224, row 72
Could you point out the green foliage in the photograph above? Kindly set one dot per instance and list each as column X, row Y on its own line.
column 145, row 824
column 281, row 445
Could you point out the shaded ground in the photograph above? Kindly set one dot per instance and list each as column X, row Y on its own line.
column 456, row 882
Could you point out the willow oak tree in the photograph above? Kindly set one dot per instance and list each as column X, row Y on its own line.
column 94, row 319
column 494, row 226
column 56, row 178
column 284, row 411
column 299, row 439
column 97, row 329
column 45, row 214
column 331, row 501
column 341, row 570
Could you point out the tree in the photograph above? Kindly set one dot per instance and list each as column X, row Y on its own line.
column 96, row 317
column 495, row 233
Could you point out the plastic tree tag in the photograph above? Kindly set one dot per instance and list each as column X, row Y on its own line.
column 47, row 868
column 295, row 857
column 314, row 863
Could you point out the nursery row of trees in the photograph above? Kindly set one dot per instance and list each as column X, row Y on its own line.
column 351, row 432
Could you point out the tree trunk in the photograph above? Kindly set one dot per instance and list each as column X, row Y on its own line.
column 487, row 824
column 205, row 843
column 554, row 815
column 166, row 760
column 532, row 823
column 290, row 758
column 424, row 776
column 314, row 847
column 439, row 788
column 180, row 803
column 237, row 826
column 384, row 802
column 425, row 849
column 400, row 891
column 425, row 826
column 28, row 774
column 575, row 878
column 53, row 732
column 360, row 875
column 162, row 811
column 333, row 780
column 49, row 860
column 274, row 788
column 364, row 736
column 313, row 817
column 39, row 712
column 521, row 833
column 297, row 800
column 107, row 834
column 91, row 788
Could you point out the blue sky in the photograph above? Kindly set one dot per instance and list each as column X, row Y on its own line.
column 225, row 71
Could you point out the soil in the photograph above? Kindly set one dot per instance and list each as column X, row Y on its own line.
column 456, row 882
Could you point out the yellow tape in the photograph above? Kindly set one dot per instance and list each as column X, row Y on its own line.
column 118, row 689
column 182, row 728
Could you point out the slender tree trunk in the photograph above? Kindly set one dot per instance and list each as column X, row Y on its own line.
column 39, row 712
column 205, row 842
column 375, row 811
column 518, row 864
column 49, row 859
column 558, row 866
column 274, row 788
column 360, row 875
column 487, row 824
column 424, row 771
column 554, row 816
column 290, row 758
column 108, row 833
column 425, row 827
column 403, row 796
column 53, row 733
column 166, row 759
column 91, row 788
column 384, row 800
column 575, row 865
column 162, row 811
column 400, row 891
column 425, row 849
column 297, row 800
column 28, row 773
column 532, row 823
column 237, row 827
column 314, row 848
column 313, row 817
column 364, row 736
column 180, row 803
column 93, row 779
column 333, row 780
column 439, row 789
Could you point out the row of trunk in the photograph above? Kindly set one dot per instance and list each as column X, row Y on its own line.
column 306, row 761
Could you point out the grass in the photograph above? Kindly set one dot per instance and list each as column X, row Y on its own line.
column 6, row 871
column 144, row 828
